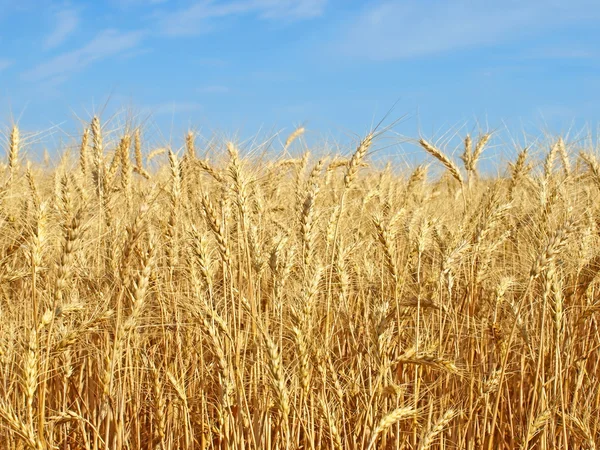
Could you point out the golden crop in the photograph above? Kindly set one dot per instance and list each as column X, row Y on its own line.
column 153, row 299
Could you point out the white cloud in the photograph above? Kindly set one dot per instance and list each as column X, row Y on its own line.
column 396, row 29
column 67, row 21
column 106, row 44
column 5, row 64
column 193, row 20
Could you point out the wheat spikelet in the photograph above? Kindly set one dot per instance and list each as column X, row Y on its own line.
column 427, row 359
column 479, row 147
column 390, row 419
column 35, row 196
column 303, row 360
column 142, row 172
column 467, row 156
column 14, row 146
column 386, row 237
column 440, row 156
column 564, row 156
column 178, row 387
column 216, row 227
column 277, row 376
column 39, row 234
column 24, row 431
column 240, row 188
column 71, row 337
column 298, row 174
column 199, row 251
column 331, row 418
column 30, row 378
column 83, row 153
column 436, row 428
column 190, row 147
column 139, row 288
column 552, row 248
column 491, row 383
column 336, row 164
column 306, row 221
column 106, row 377
column 137, row 146
column 417, row 177
column 583, row 430
column 593, row 166
column 114, row 165
column 172, row 249
column 307, row 214
column 156, row 153
column 64, row 197
column 72, row 233
column 549, row 161
column 537, row 425
column 98, row 157
column 210, row 170
column 134, row 232
column 126, row 168
column 357, row 158
column 66, row 416
column 519, row 170
column 159, row 409
column 293, row 136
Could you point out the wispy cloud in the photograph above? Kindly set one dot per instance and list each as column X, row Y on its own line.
column 195, row 18
column 200, row 16
column 552, row 112
column 396, row 29
column 216, row 89
column 174, row 108
column 273, row 76
column 565, row 53
column 106, row 44
column 5, row 64
column 213, row 62
column 290, row 9
column 135, row 53
column 135, row 3
column 66, row 22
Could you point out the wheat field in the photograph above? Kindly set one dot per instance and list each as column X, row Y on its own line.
column 218, row 297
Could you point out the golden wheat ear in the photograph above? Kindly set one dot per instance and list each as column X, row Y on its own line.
column 293, row 136
column 445, row 160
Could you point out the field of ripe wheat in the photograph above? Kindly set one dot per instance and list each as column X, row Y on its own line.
column 220, row 297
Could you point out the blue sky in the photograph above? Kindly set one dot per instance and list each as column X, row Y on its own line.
column 335, row 65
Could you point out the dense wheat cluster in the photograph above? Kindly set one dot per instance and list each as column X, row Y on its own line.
column 211, row 297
